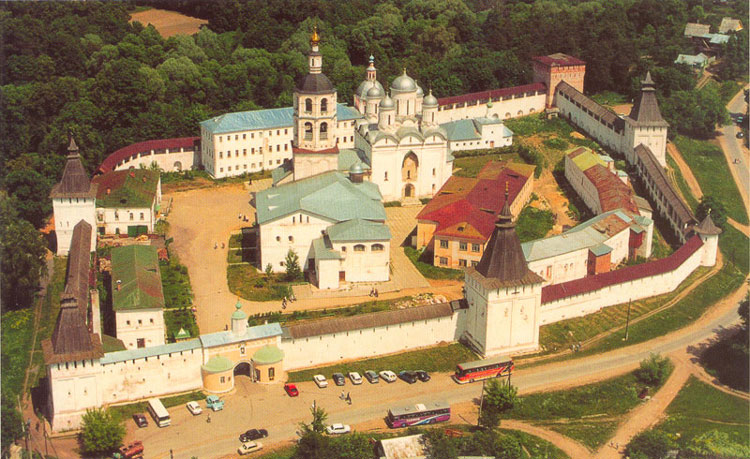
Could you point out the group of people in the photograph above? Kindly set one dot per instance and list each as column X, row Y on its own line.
column 242, row 218
column 292, row 299
column 374, row 292
column 216, row 245
column 346, row 397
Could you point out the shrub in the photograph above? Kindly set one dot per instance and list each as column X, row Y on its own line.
column 556, row 144
column 654, row 370
column 650, row 444
column 101, row 432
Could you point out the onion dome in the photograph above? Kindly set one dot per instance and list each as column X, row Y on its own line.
column 420, row 92
column 367, row 85
column 314, row 83
column 430, row 100
column 375, row 92
column 404, row 83
column 387, row 103
column 356, row 169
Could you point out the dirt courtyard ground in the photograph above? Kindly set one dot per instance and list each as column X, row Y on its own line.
column 169, row 23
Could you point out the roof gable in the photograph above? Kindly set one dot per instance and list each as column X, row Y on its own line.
column 132, row 188
column 136, row 280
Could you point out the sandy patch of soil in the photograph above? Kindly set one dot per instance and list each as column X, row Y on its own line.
column 169, row 23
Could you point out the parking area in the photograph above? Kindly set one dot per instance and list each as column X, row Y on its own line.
column 253, row 405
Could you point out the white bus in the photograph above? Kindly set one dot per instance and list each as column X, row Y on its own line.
column 159, row 413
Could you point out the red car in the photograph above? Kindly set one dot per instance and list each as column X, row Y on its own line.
column 291, row 390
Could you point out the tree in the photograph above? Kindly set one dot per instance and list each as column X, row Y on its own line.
column 312, row 443
column 101, row 432
column 30, row 191
column 654, row 370
column 293, row 271
column 11, row 422
column 491, row 443
column 499, row 397
column 269, row 270
column 715, row 443
column 744, row 312
column 650, row 444
column 712, row 205
column 438, row 445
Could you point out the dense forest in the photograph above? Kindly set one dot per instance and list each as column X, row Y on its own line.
column 82, row 68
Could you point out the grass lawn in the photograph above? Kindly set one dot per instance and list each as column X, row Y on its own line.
column 712, row 172
column 682, row 184
column 589, row 414
column 534, row 223
column 699, row 408
column 421, row 259
column 469, row 166
column 659, row 246
column 312, row 314
column 436, row 358
column 536, row 446
column 175, row 283
column 240, row 255
column 247, row 282
column 175, row 319
column 527, row 126
column 609, row 98
column 126, row 412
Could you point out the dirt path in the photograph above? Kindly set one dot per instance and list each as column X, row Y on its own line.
column 549, row 193
column 571, row 447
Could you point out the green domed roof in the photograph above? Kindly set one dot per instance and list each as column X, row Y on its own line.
column 268, row 354
column 238, row 314
column 356, row 169
column 218, row 364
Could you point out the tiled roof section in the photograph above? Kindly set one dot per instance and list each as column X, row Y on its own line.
column 251, row 333
column 79, row 265
column 150, row 351
column 657, row 175
column 75, row 181
column 584, row 158
column 133, row 188
column 729, row 25
column 461, row 130
column 71, row 339
column 125, row 153
column 606, row 115
column 502, row 263
column 707, row 227
column 559, row 60
column 265, row 119
column 588, row 284
column 645, row 110
column 323, row 249
column 613, row 193
column 136, row 280
column 696, row 30
column 373, row 320
column 493, row 94
column 358, row 230
column 315, row 194
column 467, row 207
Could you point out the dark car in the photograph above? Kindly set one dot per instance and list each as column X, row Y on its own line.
column 423, row 375
column 372, row 377
column 338, row 379
column 408, row 376
column 140, row 420
column 253, row 434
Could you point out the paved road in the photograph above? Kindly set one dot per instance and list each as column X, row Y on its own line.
column 737, row 157
column 265, row 406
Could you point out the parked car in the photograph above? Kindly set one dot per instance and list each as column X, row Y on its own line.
column 253, row 434
column 740, row 135
column 214, row 402
column 132, row 451
column 355, row 378
column 291, row 390
column 336, row 429
column 423, row 375
column 249, row 447
column 408, row 376
column 338, row 379
column 388, row 376
column 140, row 420
column 320, row 380
column 371, row 377
column 194, row 408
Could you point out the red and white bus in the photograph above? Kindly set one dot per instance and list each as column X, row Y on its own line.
column 493, row 367
column 419, row 414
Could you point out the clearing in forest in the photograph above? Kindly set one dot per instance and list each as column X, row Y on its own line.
column 169, row 23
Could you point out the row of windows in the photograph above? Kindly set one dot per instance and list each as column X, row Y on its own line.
column 252, row 151
column 462, row 246
column 461, row 262
column 70, row 200
column 140, row 321
column 117, row 216
column 252, row 135
column 252, row 166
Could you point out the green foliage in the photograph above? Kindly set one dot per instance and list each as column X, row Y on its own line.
column 534, row 223
column 728, row 357
column 717, row 444
column 609, row 98
column 532, row 156
column 247, row 282
column 293, row 271
column 654, row 370
column 695, row 112
column 556, row 144
column 175, row 283
column 318, row 423
column 711, row 205
column 101, row 432
column 682, row 184
column 422, row 259
column 438, row 445
column 734, row 64
column 312, row 314
column 269, row 270
column 12, row 422
column 162, row 228
column 29, row 190
column 499, row 398
column 392, row 204
column 650, row 444
column 175, row 319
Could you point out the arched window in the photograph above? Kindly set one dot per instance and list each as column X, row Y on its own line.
column 377, row 248
column 324, row 130
column 359, row 248
column 308, row 105
column 308, row 131
column 324, row 105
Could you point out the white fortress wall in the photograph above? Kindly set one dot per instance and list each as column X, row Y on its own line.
column 182, row 159
column 606, row 136
column 504, row 108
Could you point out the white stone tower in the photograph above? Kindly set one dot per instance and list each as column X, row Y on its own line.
column 709, row 234
column 239, row 320
column 645, row 124
column 73, row 200
column 504, row 296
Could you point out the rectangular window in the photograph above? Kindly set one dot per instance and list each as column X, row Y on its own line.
column 236, row 137
column 462, row 246
column 131, row 216
column 443, row 243
column 474, row 264
column 244, row 152
column 286, row 147
column 252, row 151
column 475, row 247
column 141, row 215
column 462, row 263
column 285, row 131
column 443, row 261
column 141, row 342
column 244, row 136
column 271, row 373
column 278, row 147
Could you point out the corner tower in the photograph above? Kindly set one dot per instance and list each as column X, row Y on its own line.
column 503, row 294
column 645, row 124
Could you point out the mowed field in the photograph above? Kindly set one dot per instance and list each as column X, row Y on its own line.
column 169, row 23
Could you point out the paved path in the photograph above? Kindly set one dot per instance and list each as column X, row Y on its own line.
column 736, row 155
column 402, row 221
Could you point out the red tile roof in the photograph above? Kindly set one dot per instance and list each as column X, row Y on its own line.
column 613, row 193
column 492, row 94
column 467, row 208
column 559, row 59
column 111, row 161
column 588, row 284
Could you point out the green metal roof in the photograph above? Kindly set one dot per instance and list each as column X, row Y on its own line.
column 588, row 159
column 269, row 118
column 461, row 130
column 150, row 351
column 347, row 158
column 359, row 230
column 323, row 251
column 314, row 195
column 131, row 188
column 268, row 354
column 136, row 280
column 238, row 314
column 218, row 364
column 601, row 249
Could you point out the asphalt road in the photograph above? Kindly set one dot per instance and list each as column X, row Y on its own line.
column 733, row 149
column 266, row 406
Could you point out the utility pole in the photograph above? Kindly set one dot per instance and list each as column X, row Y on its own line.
column 627, row 323
column 481, row 402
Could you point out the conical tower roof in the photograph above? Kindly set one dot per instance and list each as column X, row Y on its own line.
column 75, row 182
column 503, row 263
column 707, row 226
column 71, row 339
column 646, row 108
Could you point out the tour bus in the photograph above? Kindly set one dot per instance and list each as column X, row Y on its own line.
column 159, row 413
column 419, row 414
column 483, row 369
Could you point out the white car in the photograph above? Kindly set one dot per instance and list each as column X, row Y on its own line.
column 320, row 380
column 194, row 408
column 388, row 376
column 249, row 447
column 355, row 377
column 336, row 429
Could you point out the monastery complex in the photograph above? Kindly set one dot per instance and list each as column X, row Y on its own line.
column 333, row 168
